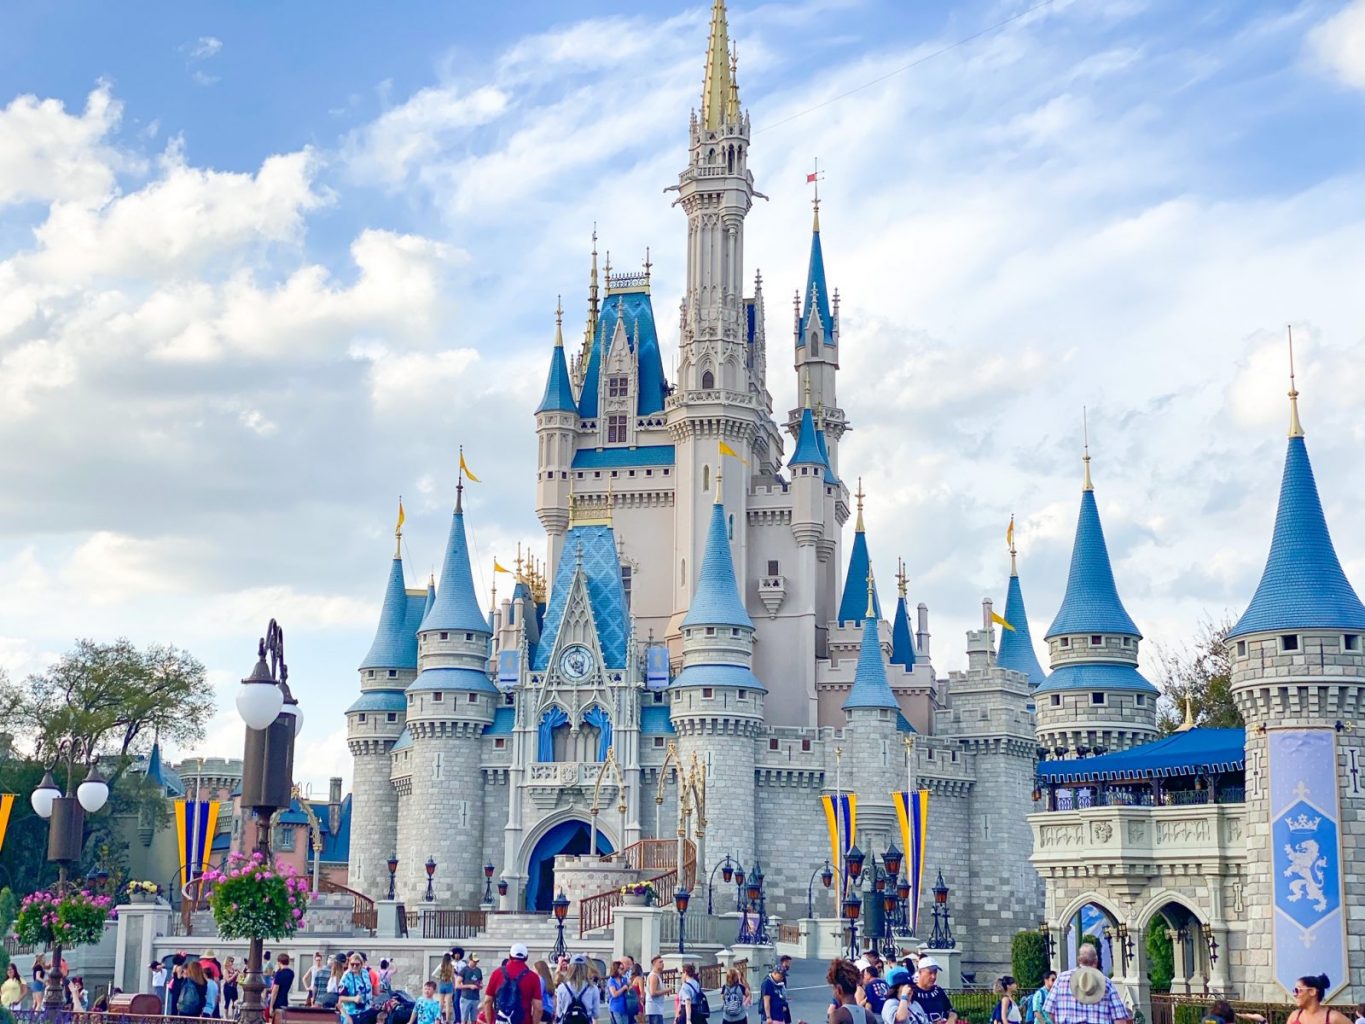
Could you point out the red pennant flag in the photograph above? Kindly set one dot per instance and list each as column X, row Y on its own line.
column 810, row 178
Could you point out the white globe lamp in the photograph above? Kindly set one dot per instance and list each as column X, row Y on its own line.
column 43, row 797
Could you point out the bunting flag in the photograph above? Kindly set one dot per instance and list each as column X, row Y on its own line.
column 196, row 821
column 999, row 620
column 1009, row 534
column 913, row 811
column 841, row 814
column 6, row 805
column 499, row 568
column 725, row 449
column 464, row 468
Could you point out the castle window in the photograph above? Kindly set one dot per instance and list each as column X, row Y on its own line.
column 473, row 698
column 658, row 741
column 1097, row 698
column 627, row 575
column 774, row 568
column 369, row 674
column 815, row 343
column 1096, row 641
column 445, row 636
column 743, row 695
column 1056, row 700
column 500, row 743
column 618, row 387
column 1128, row 641
column 1065, row 641
column 508, row 699
column 1289, row 643
column 469, row 636
column 805, row 746
column 284, row 838
column 705, row 478
column 437, row 698
column 682, row 573
column 361, row 717
column 707, row 693
column 772, row 744
column 1241, row 648
column 954, row 758
column 710, row 630
column 708, row 381
column 616, row 430
column 392, row 716
column 1140, row 700
column 1350, row 642
column 931, row 753
column 734, row 631
column 393, row 673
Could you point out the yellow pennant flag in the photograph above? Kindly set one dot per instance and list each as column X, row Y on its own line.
column 725, row 449
column 464, row 468
column 499, row 568
column 999, row 620
column 6, row 805
column 1009, row 533
column 402, row 516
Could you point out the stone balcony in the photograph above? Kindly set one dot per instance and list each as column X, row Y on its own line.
column 549, row 779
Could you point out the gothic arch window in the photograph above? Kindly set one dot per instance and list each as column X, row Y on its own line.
column 815, row 343
column 710, row 156
column 705, row 478
column 730, row 160
column 708, row 381
column 682, row 572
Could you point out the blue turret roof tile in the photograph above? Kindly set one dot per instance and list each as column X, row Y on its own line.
column 452, row 678
column 638, row 313
column 380, row 700
column 1016, row 647
column 716, row 601
column 1303, row 585
column 830, row 478
column 870, row 688
column 817, row 295
column 558, row 388
column 853, row 604
column 395, row 644
column 1096, row 676
column 606, row 596
column 1091, row 604
column 807, row 451
column 456, row 606
column 718, row 675
column 902, row 636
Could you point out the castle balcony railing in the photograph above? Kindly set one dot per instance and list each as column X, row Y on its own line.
column 657, row 860
column 1135, row 840
column 1081, row 797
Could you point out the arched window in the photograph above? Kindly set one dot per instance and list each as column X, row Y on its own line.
column 815, row 343
column 705, row 478
column 682, row 572
column 730, row 159
column 708, row 381
column 710, row 156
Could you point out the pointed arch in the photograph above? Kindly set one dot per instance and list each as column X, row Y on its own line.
column 705, row 477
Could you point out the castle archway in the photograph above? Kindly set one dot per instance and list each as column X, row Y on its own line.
column 570, row 837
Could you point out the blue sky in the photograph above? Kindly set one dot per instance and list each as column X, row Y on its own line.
column 263, row 267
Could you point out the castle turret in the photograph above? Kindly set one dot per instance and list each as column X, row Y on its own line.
column 859, row 570
column 816, row 335
column 1095, row 697
column 1016, row 644
column 450, row 703
column 1298, row 677
column 373, row 724
column 556, row 432
column 717, row 706
column 902, row 637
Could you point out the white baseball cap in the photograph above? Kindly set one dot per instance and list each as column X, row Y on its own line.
column 928, row 963
column 519, row 951
column 862, row 963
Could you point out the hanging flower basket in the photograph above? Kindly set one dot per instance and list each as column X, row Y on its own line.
column 75, row 919
column 254, row 899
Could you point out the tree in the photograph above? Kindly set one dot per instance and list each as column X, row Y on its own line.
column 1160, row 955
column 1028, row 958
column 1201, row 674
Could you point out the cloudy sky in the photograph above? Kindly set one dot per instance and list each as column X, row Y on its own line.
column 263, row 268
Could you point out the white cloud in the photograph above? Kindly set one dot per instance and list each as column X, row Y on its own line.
column 47, row 153
column 1339, row 44
column 404, row 137
column 204, row 47
column 242, row 612
column 110, row 567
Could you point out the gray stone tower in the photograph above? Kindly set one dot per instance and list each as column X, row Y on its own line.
column 717, row 700
column 1298, row 678
column 556, row 431
column 1095, row 696
column 450, row 703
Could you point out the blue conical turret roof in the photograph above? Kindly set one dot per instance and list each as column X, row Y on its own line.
column 902, row 636
column 558, row 389
column 817, row 292
column 716, row 601
column 1303, row 585
column 870, row 688
column 854, row 601
column 1016, row 646
column 1091, row 604
column 807, row 445
column 395, row 644
column 830, row 478
column 456, row 606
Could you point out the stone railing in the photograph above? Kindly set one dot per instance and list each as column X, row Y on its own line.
column 1113, row 834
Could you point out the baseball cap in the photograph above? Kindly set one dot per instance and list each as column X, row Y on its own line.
column 928, row 963
column 862, row 963
column 519, row 951
column 897, row 976
column 578, row 958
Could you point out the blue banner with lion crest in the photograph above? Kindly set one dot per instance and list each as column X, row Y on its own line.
column 1305, row 856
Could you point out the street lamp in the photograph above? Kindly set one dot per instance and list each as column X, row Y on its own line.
column 855, row 862
column 560, row 906
column 727, row 872
column 393, row 871
column 852, row 906
column 271, row 715
column 680, row 900
column 64, row 842
column 903, row 897
column 942, row 938
column 892, row 859
column 889, row 904
column 488, row 870
column 826, row 874
column 1046, row 931
column 431, row 870
column 502, row 887
column 739, row 886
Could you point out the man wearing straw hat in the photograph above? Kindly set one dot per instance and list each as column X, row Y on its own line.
column 1084, row 995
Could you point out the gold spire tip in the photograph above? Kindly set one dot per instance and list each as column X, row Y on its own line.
column 1295, row 427
column 1014, row 554
column 1087, row 484
column 900, row 576
column 871, row 611
column 814, row 179
column 859, row 495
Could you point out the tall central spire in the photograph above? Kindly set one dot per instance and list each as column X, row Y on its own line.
column 717, row 85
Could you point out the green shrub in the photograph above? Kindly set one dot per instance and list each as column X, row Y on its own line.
column 1161, row 960
column 1188, row 1013
column 1028, row 958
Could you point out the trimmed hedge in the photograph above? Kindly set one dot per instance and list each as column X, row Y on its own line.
column 1028, row 958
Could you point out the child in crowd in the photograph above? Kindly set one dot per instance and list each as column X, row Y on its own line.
column 427, row 1010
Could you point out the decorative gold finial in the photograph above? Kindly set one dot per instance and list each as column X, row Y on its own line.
column 559, row 321
column 716, row 82
column 720, row 490
column 1086, row 484
column 520, row 562
column 1295, row 427
column 648, row 265
column 1014, row 559
column 900, row 576
column 858, row 526
column 814, row 179
column 1188, row 724
column 870, row 591
column 398, row 530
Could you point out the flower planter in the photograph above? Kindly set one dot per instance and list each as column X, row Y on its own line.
column 143, row 898
column 635, row 899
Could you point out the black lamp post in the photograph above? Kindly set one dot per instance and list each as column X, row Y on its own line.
column 942, row 938
column 680, row 900
column 739, row 886
column 488, row 870
column 560, row 907
column 393, row 870
column 502, row 887
column 431, row 870
column 826, row 874
column 903, row 897
column 855, row 858
column 272, row 722
column 852, row 906
column 727, row 872
column 1046, row 930
column 889, row 904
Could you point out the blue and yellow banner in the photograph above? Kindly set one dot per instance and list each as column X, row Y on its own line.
column 1305, row 854
column 195, row 823
column 913, row 811
column 841, row 815
column 6, row 805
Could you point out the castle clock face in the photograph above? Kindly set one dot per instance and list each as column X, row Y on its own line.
column 575, row 663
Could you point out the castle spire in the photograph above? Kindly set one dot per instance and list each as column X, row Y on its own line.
column 1295, row 427
column 1091, row 604
column 558, row 395
column 1016, row 645
column 870, row 688
column 902, row 637
column 716, row 601
column 717, row 83
column 859, row 568
column 456, row 606
column 395, row 646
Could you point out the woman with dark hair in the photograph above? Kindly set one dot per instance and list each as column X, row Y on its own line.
column 1006, row 1008
column 1221, row 1012
column 842, row 977
column 1309, row 992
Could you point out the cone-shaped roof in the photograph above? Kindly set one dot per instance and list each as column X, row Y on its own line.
column 395, row 645
column 870, row 688
column 817, row 293
column 558, row 390
column 456, row 606
column 1016, row 646
column 853, row 604
column 830, row 478
column 807, row 445
column 1091, row 604
column 1303, row 585
column 716, row 601
column 715, row 89
column 902, row 636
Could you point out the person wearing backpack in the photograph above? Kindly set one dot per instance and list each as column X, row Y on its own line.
column 692, row 1005
column 1034, row 1013
column 734, row 998
column 513, row 993
column 576, row 997
column 1006, row 1001
column 189, row 1000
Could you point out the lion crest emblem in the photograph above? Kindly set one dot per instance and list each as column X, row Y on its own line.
column 1306, row 869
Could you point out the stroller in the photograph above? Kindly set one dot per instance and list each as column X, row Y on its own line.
column 398, row 1009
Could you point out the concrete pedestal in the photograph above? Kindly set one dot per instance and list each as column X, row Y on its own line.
column 635, row 932
column 951, row 962
column 388, row 924
column 138, row 925
column 674, row 961
column 760, row 958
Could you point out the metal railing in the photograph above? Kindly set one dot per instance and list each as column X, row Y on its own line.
column 712, row 976
column 363, row 913
column 452, row 924
column 1079, row 798
column 1170, row 1008
column 594, row 912
column 96, row 1017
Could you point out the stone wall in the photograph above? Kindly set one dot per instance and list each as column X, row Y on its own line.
column 443, row 818
column 374, row 821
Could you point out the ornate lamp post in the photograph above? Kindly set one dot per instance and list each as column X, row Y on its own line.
column 560, row 907
column 488, row 870
column 826, row 874
column 393, row 871
column 855, row 858
column 889, row 904
column 852, row 906
column 759, row 897
column 680, row 900
column 739, row 886
column 942, row 937
column 1049, row 942
column 502, row 887
column 272, row 722
column 64, row 842
column 727, row 874
column 903, row 897
column 431, row 870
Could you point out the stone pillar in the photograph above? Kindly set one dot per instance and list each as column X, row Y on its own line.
column 1179, row 982
column 138, row 925
column 636, row 932
column 1218, row 969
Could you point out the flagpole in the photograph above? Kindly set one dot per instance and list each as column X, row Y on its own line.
column 195, row 853
column 839, row 827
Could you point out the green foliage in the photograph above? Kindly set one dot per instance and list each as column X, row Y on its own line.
column 1189, row 1013
column 5, row 1016
column 1094, row 940
column 74, row 919
column 24, row 856
column 254, row 899
column 1203, row 674
column 1028, row 958
column 9, row 909
column 1160, row 957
